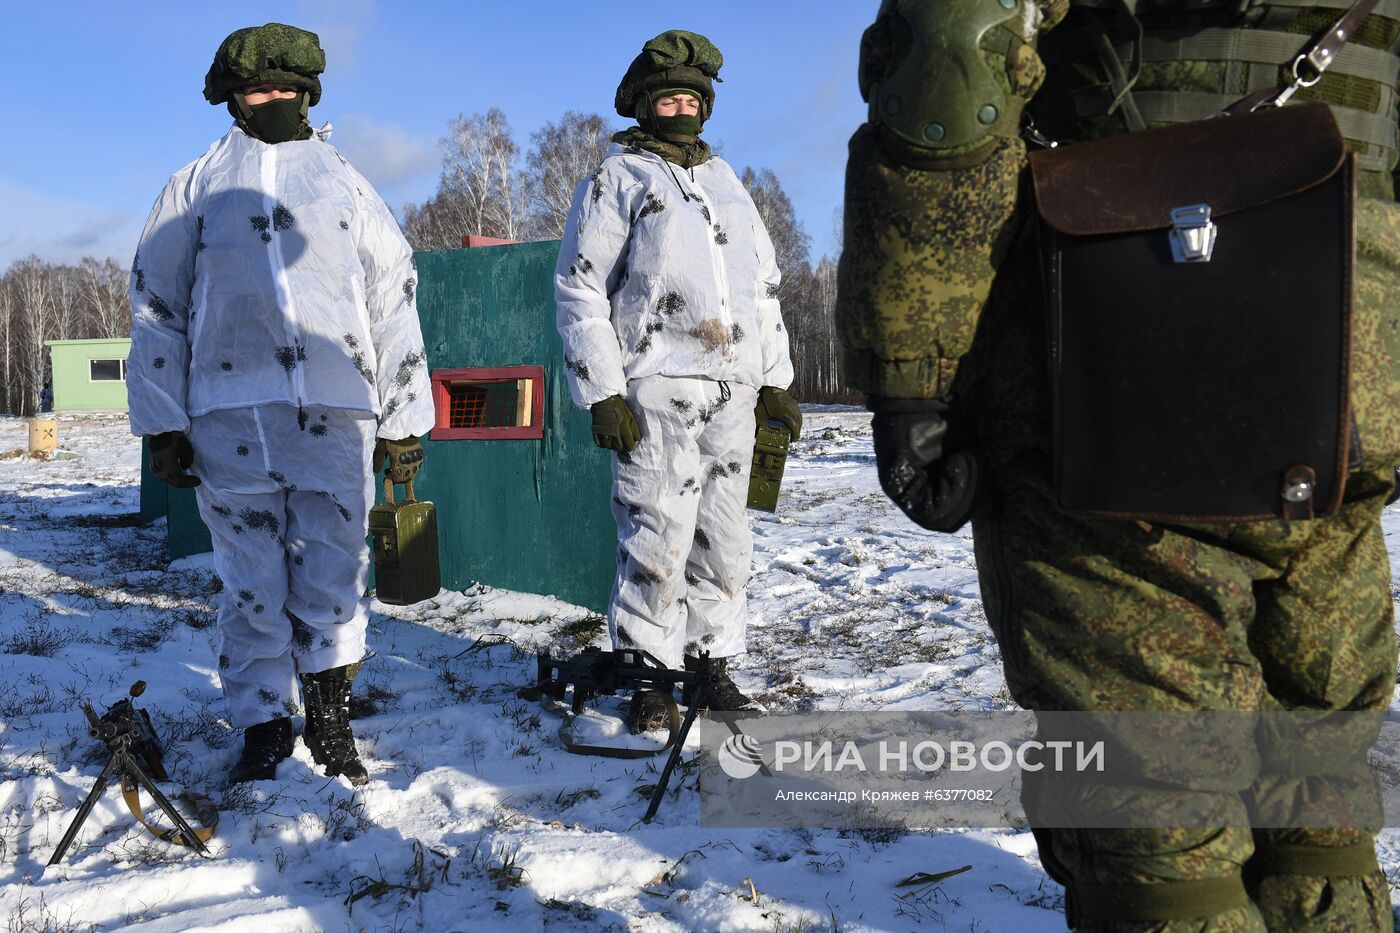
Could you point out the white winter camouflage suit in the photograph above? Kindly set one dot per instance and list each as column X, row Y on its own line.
column 273, row 321
column 666, row 288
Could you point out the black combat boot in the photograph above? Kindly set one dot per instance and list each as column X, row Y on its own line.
column 327, row 734
column 649, row 710
column 725, row 696
column 264, row 745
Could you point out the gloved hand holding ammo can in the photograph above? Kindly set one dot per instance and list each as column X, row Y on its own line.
column 667, row 294
column 275, row 344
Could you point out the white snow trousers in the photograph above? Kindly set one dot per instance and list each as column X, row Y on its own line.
column 286, row 496
column 679, row 499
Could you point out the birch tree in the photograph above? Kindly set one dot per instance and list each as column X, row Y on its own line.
column 479, row 189
column 103, row 286
column 31, row 284
column 561, row 155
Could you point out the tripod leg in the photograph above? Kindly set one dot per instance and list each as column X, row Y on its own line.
column 671, row 761
column 730, row 721
column 133, row 769
column 93, row 796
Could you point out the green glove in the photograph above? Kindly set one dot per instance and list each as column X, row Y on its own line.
column 614, row 425
column 774, row 404
column 404, row 456
column 171, row 455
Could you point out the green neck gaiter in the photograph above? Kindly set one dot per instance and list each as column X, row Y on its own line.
column 686, row 155
column 277, row 121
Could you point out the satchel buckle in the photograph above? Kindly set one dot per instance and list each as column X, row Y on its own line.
column 1192, row 233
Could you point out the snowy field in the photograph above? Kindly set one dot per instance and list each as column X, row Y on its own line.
column 475, row 817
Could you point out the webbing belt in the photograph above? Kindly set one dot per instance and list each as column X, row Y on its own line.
column 202, row 806
column 1357, row 859
column 673, row 731
column 1261, row 53
column 1265, row 47
column 1173, row 900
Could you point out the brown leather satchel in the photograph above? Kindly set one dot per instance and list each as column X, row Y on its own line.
column 1200, row 293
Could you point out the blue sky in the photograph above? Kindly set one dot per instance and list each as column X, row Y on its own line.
column 106, row 99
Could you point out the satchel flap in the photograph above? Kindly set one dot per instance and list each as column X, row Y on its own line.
column 1132, row 182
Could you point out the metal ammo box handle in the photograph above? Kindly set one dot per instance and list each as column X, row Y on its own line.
column 389, row 491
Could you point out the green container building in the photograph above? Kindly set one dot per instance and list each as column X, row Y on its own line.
column 89, row 375
column 522, row 494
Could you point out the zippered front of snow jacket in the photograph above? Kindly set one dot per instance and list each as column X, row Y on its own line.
column 274, row 273
column 667, row 271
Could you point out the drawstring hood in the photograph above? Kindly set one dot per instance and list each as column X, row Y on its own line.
column 685, row 194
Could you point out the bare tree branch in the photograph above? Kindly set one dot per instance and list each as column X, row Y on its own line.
column 479, row 189
column 561, row 155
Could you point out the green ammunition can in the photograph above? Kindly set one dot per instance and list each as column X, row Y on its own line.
column 406, row 568
column 770, row 452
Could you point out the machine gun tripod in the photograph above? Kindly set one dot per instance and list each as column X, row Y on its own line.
column 129, row 736
column 593, row 672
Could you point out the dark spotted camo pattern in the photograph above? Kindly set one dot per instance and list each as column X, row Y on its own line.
column 273, row 53
column 925, row 246
column 940, row 292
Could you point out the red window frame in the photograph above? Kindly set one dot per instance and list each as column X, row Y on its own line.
column 443, row 430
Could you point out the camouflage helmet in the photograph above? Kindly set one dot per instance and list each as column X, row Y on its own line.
column 270, row 54
column 674, row 59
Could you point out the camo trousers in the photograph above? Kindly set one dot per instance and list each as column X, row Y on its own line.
column 1108, row 615
column 287, row 510
column 1097, row 615
column 679, row 498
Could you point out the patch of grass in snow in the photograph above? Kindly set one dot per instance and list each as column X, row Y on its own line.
column 579, row 633
column 30, row 697
column 345, row 818
column 38, row 638
column 148, row 634
column 33, row 913
column 456, row 683
column 200, row 618
column 573, row 910
column 373, row 699
column 418, row 879
column 502, row 866
column 567, row 800
column 204, row 720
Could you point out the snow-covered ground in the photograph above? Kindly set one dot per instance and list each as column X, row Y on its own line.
column 476, row 819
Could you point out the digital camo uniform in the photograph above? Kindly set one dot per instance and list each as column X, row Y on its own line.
column 940, row 296
column 666, row 288
column 274, row 323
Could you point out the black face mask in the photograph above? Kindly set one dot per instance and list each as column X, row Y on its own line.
column 276, row 121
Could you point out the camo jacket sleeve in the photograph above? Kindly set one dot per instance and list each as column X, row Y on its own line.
column 773, row 338
column 925, row 232
column 162, row 279
column 592, row 257
column 401, row 373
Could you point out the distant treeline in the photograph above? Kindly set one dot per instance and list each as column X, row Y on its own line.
column 485, row 188
column 42, row 301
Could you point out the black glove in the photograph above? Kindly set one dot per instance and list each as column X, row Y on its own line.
column 614, row 425
column 405, row 458
column 171, row 455
column 926, row 467
column 774, row 404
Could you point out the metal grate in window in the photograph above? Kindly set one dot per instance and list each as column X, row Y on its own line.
column 488, row 404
